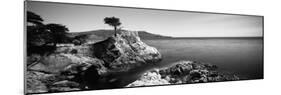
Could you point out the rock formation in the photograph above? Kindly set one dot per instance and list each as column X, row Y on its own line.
column 183, row 72
column 111, row 63
column 151, row 78
column 119, row 61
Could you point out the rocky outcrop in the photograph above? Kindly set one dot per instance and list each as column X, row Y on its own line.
column 119, row 61
column 111, row 63
column 183, row 72
column 60, row 72
column 149, row 79
column 125, row 50
column 124, row 55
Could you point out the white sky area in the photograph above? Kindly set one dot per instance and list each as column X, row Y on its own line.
column 79, row 18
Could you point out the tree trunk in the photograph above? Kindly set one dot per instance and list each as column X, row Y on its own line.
column 115, row 30
column 55, row 44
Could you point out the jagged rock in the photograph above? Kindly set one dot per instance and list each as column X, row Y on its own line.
column 123, row 56
column 125, row 51
column 149, row 79
column 198, row 76
column 64, row 85
column 57, row 63
column 38, row 81
column 34, row 83
column 184, row 72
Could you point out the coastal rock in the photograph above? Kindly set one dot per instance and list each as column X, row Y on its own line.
column 149, row 79
column 111, row 63
column 59, row 63
column 34, row 83
column 38, row 82
column 124, row 55
column 184, row 72
column 125, row 51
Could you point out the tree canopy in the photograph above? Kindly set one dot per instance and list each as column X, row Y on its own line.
column 112, row 21
column 39, row 35
column 57, row 33
column 34, row 18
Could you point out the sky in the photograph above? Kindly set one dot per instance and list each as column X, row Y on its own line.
column 80, row 18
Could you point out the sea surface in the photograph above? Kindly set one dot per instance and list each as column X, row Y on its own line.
column 240, row 56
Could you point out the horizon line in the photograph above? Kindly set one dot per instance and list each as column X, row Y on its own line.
column 177, row 37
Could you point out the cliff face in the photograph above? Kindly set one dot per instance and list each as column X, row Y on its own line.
column 111, row 63
column 125, row 50
column 124, row 55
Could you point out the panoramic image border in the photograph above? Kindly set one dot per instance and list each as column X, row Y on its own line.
column 155, row 9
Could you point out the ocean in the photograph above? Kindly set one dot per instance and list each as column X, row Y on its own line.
column 240, row 56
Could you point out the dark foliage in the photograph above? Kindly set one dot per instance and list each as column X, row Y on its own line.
column 112, row 21
column 41, row 50
column 34, row 18
column 57, row 33
column 41, row 38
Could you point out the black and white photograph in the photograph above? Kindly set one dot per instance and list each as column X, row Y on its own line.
column 80, row 47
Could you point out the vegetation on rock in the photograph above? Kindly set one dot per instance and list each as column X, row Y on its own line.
column 112, row 21
column 40, row 36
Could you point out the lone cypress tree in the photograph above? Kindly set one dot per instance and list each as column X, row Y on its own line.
column 114, row 22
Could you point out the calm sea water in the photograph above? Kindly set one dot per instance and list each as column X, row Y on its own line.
column 243, row 57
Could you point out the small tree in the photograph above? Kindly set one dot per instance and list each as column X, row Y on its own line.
column 114, row 22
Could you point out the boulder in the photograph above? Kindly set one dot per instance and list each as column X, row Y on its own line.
column 149, row 79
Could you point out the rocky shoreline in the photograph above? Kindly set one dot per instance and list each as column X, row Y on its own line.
column 116, row 62
column 183, row 72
